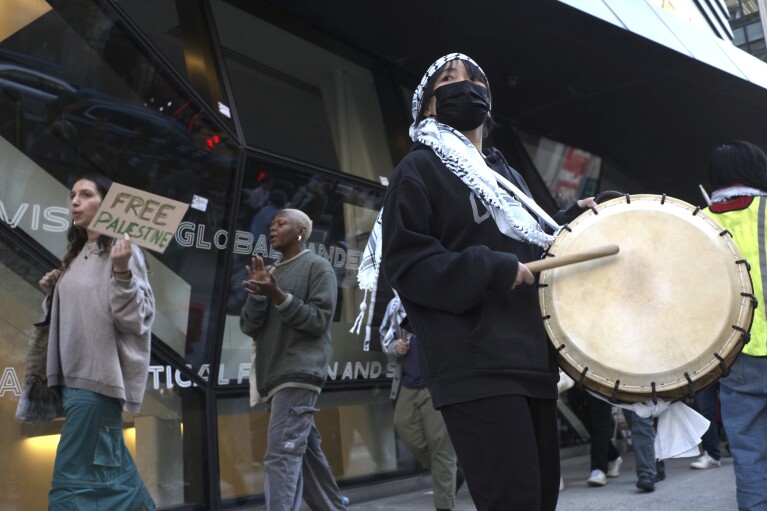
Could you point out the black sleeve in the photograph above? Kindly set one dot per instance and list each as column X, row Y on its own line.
column 564, row 216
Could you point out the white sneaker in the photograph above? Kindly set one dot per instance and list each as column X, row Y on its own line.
column 614, row 467
column 597, row 478
column 705, row 461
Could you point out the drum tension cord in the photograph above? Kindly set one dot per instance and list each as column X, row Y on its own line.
column 722, row 366
column 547, row 254
column 754, row 300
column 614, row 397
column 611, row 194
column 746, row 335
column 743, row 261
column 583, row 375
column 690, row 391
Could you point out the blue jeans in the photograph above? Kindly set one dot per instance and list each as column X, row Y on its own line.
column 743, row 396
column 705, row 402
column 294, row 464
column 643, row 442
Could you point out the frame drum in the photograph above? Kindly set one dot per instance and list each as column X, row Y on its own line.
column 665, row 317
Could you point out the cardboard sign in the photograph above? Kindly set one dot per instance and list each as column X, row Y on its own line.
column 150, row 220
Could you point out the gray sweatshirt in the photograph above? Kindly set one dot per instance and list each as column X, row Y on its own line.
column 292, row 340
column 100, row 334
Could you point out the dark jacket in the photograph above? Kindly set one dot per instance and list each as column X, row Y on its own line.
column 453, row 270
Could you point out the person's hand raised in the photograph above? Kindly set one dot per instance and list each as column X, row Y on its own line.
column 261, row 282
column 121, row 253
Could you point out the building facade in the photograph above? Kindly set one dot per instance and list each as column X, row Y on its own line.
column 748, row 25
column 242, row 108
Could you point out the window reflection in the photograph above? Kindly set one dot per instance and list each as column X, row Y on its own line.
column 181, row 30
column 78, row 94
column 299, row 100
column 569, row 173
column 111, row 109
column 169, row 438
column 747, row 27
column 342, row 215
column 357, row 438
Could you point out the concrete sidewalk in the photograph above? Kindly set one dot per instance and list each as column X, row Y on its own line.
column 684, row 489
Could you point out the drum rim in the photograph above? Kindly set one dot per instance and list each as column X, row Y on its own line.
column 694, row 380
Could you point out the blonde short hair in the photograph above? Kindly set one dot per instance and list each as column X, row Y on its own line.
column 301, row 219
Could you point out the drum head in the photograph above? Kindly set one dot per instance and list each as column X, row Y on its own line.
column 666, row 312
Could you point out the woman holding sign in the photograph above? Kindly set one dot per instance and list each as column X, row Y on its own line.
column 101, row 310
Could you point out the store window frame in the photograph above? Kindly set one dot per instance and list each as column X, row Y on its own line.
column 210, row 388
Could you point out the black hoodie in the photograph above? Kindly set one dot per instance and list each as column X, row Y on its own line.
column 453, row 270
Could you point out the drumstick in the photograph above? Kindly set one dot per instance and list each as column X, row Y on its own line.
column 563, row 260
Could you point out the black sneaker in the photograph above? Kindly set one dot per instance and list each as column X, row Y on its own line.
column 646, row 484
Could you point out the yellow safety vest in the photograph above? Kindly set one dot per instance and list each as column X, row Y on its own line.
column 748, row 232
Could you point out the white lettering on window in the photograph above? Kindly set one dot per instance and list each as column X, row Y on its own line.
column 10, row 382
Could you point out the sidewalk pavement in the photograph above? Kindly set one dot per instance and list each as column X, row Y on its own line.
column 683, row 489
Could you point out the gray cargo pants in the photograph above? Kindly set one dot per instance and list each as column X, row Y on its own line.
column 294, row 463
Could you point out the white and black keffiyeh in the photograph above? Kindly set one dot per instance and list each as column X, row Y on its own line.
column 463, row 159
column 391, row 329
column 367, row 275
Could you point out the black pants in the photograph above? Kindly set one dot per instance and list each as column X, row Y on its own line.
column 508, row 449
column 597, row 415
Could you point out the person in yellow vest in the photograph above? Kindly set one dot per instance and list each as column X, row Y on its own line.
column 738, row 174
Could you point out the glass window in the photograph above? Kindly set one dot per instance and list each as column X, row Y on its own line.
column 78, row 94
column 20, row 307
column 754, row 31
column 739, row 38
column 342, row 216
column 171, row 430
column 297, row 99
column 757, row 48
column 159, row 20
column 356, row 425
column 357, row 438
column 570, row 173
column 740, row 8
column 180, row 30
column 169, row 424
column 120, row 115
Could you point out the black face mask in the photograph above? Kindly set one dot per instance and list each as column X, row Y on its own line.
column 462, row 105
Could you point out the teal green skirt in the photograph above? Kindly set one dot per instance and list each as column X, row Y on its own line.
column 94, row 469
